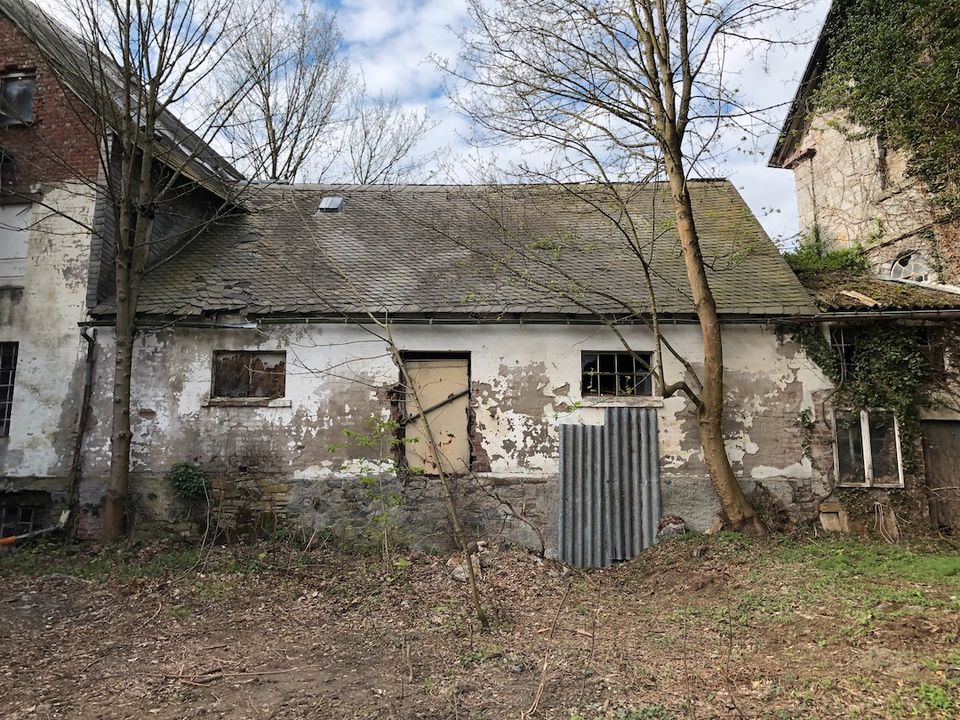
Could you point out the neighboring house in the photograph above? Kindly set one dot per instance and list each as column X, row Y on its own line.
column 854, row 192
column 55, row 253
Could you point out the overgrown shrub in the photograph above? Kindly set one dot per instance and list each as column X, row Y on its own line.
column 189, row 481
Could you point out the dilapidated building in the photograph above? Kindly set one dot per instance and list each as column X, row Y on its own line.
column 269, row 337
column 260, row 358
column 855, row 193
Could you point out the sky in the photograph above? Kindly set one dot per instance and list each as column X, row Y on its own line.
column 391, row 41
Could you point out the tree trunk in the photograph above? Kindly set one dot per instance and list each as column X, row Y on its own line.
column 736, row 507
column 115, row 512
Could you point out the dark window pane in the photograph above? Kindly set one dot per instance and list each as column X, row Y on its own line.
column 608, row 363
column 883, row 448
column 8, row 360
column 850, row 449
column 608, row 384
column 16, row 100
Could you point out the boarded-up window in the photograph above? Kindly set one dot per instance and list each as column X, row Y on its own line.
column 14, row 240
column 249, row 374
column 442, row 386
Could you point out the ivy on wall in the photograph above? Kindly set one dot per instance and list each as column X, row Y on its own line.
column 894, row 69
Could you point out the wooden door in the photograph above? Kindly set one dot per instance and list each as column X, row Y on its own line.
column 442, row 387
column 941, row 454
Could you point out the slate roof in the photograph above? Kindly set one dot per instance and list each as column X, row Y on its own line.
column 475, row 251
column 842, row 292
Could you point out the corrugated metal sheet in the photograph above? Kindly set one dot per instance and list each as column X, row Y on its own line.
column 609, row 488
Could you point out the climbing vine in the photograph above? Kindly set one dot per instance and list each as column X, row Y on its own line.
column 889, row 367
column 894, row 69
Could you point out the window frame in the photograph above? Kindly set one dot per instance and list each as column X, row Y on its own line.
column 244, row 399
column 11, row 121
column 6, row 404
column 648, row 384
column 867, row 447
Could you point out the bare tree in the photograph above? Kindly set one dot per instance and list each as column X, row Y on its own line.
column 127, row 66
column 625, row 90
column 381, row 137
column 299, row 79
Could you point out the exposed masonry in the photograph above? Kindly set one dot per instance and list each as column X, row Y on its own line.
column 290, row 462
column 853, row 190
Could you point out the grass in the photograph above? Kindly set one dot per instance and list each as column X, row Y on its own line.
column 123, row 561
column 847, row 558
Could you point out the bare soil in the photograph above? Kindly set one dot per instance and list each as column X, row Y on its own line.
column 722, row 627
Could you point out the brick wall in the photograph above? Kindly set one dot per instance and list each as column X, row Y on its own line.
column 58, row 145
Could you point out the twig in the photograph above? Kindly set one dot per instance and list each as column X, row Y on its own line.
column 546, row 655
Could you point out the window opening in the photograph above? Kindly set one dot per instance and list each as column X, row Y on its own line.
column 16, row 99
column 249, row 374
column 8, row 372
column 912, row 267
column 616, row 374
column 868, row 452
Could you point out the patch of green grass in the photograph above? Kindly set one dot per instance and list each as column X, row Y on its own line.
column 874, row 560
column 633, row 712
column 926, row 701
column 123, row 561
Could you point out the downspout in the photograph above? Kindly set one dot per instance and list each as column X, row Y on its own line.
column 76, row 466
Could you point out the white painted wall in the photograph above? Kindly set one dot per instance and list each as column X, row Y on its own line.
column 526, row 380
column 42, row 317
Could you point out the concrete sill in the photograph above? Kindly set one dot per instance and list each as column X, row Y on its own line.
column 632, row 402
column 248, row 402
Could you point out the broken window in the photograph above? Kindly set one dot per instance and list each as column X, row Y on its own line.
column 618, row 374
column 16, row 98
column 439, row 396
column 249, row 374
column 912, row 267
column 868, row 449
column 15, row 221
column 23, row 512
column 8, row 372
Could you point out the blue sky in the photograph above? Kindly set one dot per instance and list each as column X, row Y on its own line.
column 391, row 41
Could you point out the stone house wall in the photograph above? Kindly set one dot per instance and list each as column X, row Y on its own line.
column 851, row 190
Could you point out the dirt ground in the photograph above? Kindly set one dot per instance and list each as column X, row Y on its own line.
column 721, row 627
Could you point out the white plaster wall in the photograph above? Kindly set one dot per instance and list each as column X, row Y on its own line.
column 839, row 188
column 526, row 380
column 43, row 317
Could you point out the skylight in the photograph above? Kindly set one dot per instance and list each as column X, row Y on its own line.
column 331, row 204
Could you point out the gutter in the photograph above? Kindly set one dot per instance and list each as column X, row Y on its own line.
column 494, row 319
